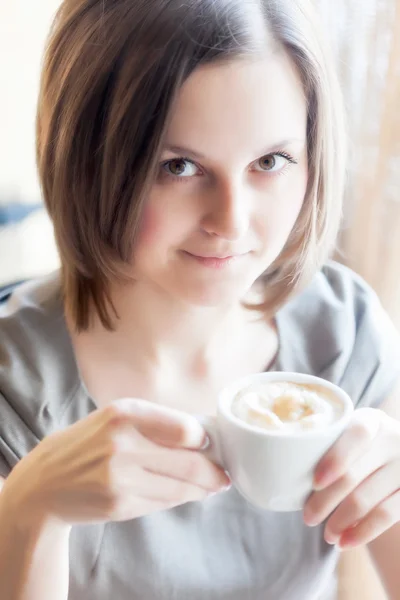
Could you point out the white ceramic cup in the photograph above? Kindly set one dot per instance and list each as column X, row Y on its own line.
column 272, row 469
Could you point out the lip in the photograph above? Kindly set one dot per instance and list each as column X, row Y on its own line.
column 216, row 256
column 215, row 262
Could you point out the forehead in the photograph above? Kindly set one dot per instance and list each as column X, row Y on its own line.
column 244, row 102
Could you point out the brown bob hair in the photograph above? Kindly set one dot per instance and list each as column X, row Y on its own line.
column 112, row 71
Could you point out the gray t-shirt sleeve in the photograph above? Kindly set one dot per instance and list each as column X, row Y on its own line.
column 5, row 450
column 37, row 378
column 374, row 366
column 4, row 468
column 370, row 341
column 337, row 329
column 16, row 437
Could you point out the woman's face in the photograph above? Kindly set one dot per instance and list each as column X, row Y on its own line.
column 231, row 181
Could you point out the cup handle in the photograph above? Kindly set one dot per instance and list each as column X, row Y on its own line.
column 212, row 448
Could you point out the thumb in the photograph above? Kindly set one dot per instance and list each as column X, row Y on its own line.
column 161, row 424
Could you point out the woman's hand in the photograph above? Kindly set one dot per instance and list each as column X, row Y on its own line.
column 124, row 461
column 357, row 483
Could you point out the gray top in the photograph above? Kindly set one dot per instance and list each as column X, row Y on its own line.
column 222, row 548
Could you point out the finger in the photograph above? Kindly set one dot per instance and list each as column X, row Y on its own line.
column 188, row 465
column 133, row 449
column 161, row 424
column 161, row 488
column 354, row 442
column 322, row 503
column 369, row 494
column 379, row 520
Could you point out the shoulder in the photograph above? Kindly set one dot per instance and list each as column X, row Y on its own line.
column 349, row 305
column 36, row 362
column 342, row 331
column 338, row 292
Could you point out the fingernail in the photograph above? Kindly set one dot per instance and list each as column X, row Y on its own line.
column 206, row 443
column 331, row 539
column 310, row 519
column 312, row 522
column 224, row 488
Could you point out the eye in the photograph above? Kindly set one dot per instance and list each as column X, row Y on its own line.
column 274, row 162
column 180, row 167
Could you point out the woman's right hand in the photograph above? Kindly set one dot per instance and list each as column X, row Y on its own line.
column 123, row 461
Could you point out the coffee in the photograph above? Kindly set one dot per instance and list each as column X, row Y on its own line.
column 271, row 431
column 285, row 406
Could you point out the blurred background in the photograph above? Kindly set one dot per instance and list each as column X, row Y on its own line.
column 365, row 35
column 26, row 239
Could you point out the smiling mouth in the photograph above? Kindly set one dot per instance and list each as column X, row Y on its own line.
column 215, row 262
column 217, row 256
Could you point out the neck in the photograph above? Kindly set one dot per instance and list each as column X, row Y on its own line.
column 165, row 328
column 159, row 342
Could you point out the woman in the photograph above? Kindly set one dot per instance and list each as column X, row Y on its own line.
column 192, row 161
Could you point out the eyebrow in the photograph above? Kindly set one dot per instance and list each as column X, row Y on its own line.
column 181, row 150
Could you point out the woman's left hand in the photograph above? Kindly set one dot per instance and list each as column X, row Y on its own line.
column 357, row 483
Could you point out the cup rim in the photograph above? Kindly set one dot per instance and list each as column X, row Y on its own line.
column 228, row 394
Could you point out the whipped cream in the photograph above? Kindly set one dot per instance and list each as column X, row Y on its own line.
column 286, row 406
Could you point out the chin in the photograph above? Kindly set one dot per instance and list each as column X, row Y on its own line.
column 212, row 296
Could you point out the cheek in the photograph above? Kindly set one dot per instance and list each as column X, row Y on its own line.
column 288, row 197
column 151, row 227
column 282, row 210
column 161, row 229
column 294, row 197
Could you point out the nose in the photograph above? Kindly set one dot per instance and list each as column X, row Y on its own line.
column 228, row 213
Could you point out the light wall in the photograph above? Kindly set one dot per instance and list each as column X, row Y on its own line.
column 23, row 28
